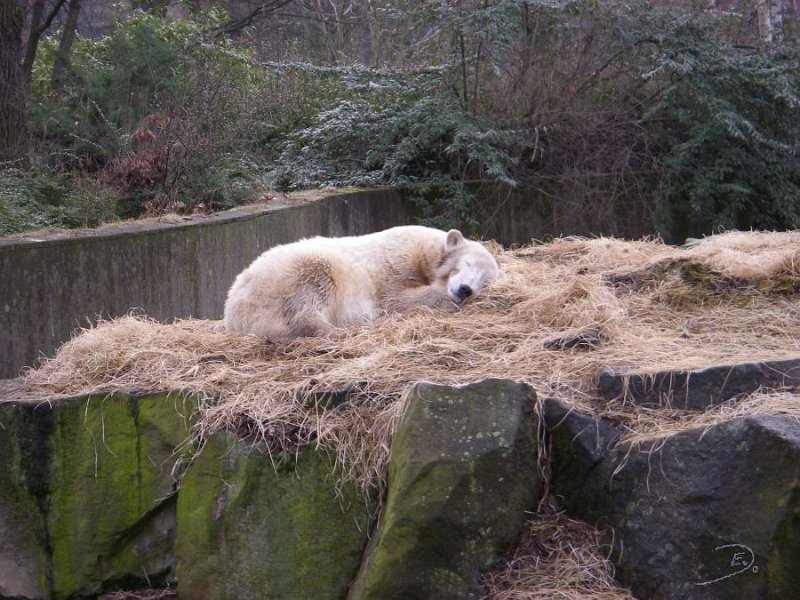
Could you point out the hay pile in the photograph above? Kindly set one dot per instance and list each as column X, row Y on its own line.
column 558, row 557
column 643, row 305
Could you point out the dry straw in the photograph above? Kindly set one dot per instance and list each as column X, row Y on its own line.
column 557, row 558
column 646, row 305
column 152, row 594
column 642, row 305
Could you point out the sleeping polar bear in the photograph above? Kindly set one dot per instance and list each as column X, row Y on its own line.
column 310, row 286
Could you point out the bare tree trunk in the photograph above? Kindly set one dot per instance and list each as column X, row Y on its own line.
column 766, row 23
column 13, row 86
column 39, row 23
column 62, row 59
column 462, row 46
column 37, row 10
column 374, row 53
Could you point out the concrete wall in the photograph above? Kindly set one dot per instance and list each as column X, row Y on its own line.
column 53, row 284
column 525, row 213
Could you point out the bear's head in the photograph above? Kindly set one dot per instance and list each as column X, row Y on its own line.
column 467, row 266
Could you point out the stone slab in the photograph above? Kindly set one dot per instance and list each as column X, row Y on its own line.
column 698, row 389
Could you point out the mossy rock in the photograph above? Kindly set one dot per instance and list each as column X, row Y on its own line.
column 711, row 512
column 251, row 525
column 24, row 561
column 463, row 478
column 94, row 476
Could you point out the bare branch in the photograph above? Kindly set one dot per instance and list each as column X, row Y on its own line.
column 254, row 14
column 53, row 13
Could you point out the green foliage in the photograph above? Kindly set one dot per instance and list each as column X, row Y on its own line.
column 731, row 150
column 621, row 111
column 157, row 112
column 231, row 181
column 37, row 199
column 403, row 129
column 441, row 201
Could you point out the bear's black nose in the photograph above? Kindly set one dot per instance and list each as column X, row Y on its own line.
column 464, row 292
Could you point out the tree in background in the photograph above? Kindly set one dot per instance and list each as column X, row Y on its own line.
column 62, row 59
column 13, row 88
column 17, row 56
column 680, row 112
column 726, row 119
column 41, row 15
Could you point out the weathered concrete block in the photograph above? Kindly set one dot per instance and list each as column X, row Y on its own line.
column 461, row 480
column 706, row 513
column 88, row 500
column 698, row 389
column 255, row 526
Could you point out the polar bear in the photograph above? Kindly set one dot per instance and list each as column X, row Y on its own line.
column 308, row 287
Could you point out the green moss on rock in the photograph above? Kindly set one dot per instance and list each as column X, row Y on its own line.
column 255, row 526
column 462, row 477
column 24, row 560
column 98, row 471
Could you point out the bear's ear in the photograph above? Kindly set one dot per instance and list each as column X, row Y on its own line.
column 454, row 238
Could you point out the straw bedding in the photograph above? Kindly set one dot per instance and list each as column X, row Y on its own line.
column 558, row 558
column 637, row 304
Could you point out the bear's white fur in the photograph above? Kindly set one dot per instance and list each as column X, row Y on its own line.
column 308, row 287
